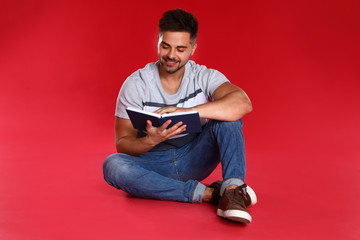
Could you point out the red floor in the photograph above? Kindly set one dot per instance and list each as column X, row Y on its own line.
column 62, row 64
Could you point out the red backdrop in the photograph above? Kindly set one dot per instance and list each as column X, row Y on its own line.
column 62, row 64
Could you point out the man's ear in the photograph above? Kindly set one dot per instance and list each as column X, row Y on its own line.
column 193, row 49
column 159, row 39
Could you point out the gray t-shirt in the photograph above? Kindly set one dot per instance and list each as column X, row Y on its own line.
column 143, row 90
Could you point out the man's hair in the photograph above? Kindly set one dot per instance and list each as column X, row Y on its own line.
column 178, row 20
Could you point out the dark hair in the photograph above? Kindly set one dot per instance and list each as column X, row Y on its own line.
column 178, row 20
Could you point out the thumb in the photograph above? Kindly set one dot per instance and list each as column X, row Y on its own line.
column 148, row 125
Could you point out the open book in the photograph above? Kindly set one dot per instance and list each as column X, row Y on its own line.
column 139, row 117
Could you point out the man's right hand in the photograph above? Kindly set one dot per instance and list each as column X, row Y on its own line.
column 128, row 142
column 157, row 135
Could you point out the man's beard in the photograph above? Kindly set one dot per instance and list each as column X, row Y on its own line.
column 171, row 71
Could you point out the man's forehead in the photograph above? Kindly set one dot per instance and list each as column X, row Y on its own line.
column 172, row 37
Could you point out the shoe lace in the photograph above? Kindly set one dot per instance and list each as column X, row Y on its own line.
column 238, row 197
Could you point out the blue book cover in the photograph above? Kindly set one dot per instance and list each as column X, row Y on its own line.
column 139, row 117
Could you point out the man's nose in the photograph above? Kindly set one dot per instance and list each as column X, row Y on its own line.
column 171, row 54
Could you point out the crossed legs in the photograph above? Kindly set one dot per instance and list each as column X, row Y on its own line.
column 175, row 174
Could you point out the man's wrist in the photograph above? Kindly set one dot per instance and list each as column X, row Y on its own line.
column 147, row 142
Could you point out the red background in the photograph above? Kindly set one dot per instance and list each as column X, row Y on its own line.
column 62, row 64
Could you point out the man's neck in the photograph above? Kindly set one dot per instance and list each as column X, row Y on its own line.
column 171, row 81
column 171, row 77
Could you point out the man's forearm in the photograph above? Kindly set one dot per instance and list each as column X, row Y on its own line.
column 231, row 107
column 134, row 146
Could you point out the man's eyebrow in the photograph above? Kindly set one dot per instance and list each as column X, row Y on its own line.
column 165, row 43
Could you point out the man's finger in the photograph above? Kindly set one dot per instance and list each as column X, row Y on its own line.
column 165, row 125
column 178, row 131
column 163, row 110
column 175, row 126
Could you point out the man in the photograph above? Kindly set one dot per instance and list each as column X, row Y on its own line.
column 165, row 164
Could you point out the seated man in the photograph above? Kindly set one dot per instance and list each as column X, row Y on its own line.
column 165, row 164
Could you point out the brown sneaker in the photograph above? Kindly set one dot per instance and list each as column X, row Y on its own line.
column 232, row 205
column 250, row 196
column 215, row 197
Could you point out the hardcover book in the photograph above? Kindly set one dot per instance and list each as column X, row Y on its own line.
column 139, row 117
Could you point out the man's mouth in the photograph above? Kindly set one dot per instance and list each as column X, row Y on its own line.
column 170, row 62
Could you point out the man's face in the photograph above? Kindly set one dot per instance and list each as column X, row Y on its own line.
column 174, row 50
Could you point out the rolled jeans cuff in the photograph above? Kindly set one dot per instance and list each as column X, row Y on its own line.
column 198, row 193
column 230, row 181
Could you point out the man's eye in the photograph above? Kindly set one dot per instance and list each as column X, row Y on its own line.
column 165, row 47
column 181, row 50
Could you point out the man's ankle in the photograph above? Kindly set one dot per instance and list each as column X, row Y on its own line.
column 207, row 194
column 230, row 187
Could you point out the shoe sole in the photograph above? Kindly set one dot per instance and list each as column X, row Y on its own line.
column 252, row 195
column 235, row 215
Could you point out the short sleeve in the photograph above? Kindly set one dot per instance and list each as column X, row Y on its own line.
column 130, row 95
column 216, row 79
column 209, row 79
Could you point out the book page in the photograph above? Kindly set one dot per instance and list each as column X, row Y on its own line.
column 144, row 112
column 178, row 113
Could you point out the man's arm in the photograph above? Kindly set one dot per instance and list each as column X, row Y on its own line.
column 230, row 104
column 126, row 139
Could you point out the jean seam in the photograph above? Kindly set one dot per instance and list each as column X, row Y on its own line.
column 192, row 149
column 175, row 165
column 193, row 192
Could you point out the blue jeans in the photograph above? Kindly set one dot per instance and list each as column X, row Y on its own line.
column 174, row 174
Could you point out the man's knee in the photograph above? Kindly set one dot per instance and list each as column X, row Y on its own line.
column 114, row 167
column 109, row 162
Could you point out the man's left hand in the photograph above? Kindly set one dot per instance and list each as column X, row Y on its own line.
column 172, row 109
